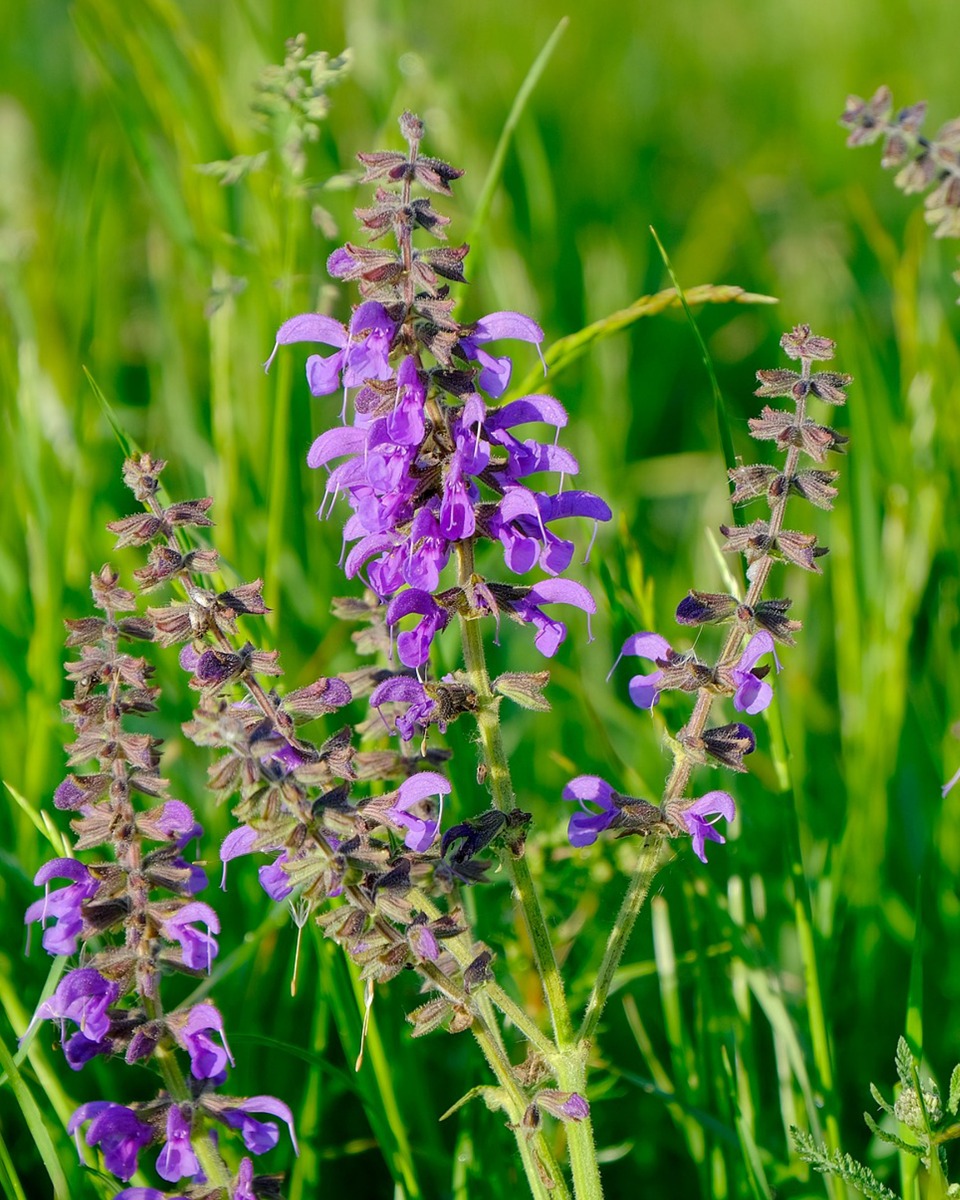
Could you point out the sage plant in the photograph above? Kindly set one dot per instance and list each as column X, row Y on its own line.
column 132, row 912
column 432, row 471
column 923, row 162
column 446, row 524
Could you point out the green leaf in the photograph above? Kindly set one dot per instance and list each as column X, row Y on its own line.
column 524, row 688
column 953, row 1100
column 841, row 1165
column 492, row 1097
column 892, row 1139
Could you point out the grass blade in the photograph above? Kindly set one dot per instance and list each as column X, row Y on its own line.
column 35, row 1123
column 720, row 407
column 495, row 170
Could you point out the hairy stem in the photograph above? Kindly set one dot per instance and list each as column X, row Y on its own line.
column 651, row 859
column 570, row 1057
column 539, row 1163
column 501, row 788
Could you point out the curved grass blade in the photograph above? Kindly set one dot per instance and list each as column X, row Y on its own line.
column 723, row 421
column 568, row 349
column 127, row 444
column 499, row 155
column 35, row 1123
column 10, row 1185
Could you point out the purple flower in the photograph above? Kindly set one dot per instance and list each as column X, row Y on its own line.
column 403, row 689
column 208, row 1059
column 413, row 645
column 414, row 808
column 83, row 996
column 79, row 1049
column 244, row 1186
column 364, row 348
column 551, row 633
column 645, row 689
column 694, row 819
column 406, row 424
column 428, row 552
column 116, row 1130
column 178, row 823
column 274, row 880
column 949, row 784
column 586, row 826
column 566, row 1106
column 258, row 1136
column 62, row 906
column 753, row 694
column 495, row 373
column 177, row 1159
column 149, row 1193
column 199, row 948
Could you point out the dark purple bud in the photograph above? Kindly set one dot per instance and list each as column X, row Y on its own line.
column 705, row 608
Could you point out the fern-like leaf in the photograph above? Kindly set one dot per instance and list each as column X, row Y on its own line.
column 841, row 1165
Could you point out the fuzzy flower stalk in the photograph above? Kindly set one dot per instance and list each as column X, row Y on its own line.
column 129, row 916
column 740, row 672
column 924, row 164
column 437, row 469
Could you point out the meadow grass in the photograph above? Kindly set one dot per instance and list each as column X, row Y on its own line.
column 764, row 991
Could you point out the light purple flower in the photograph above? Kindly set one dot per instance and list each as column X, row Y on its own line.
column 116, row 1130
column 566, row 1106
column 753, row 694
column 413, row 645
column 405, row 424
column 427, row 551
column 83, row 996
column 244, row 1185
column 364, row 348
column 645, row 689
column 949, row 784
column 586, row 826
column 149, row 1193
column 178, row 822
column 550, row 632
column 403, row 689
column 244, row 840
column 63, row 905
column 177, row 1159
column 258, row 1136
column 199, row 948
column 694, row 819
column 495, row 373
column 208, row 1059
column 413, row 813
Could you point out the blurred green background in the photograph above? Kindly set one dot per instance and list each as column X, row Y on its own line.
column 770, row 987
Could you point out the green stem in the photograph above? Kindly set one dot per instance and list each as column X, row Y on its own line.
column 501, row 788
column 648, row 864
column 463, row 952
column 571, row 1053
column 581, row 1147
column 535, row 1153
column 213, row 1165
